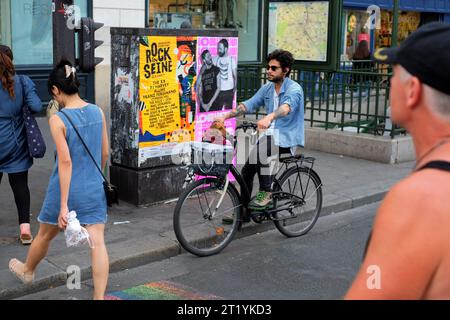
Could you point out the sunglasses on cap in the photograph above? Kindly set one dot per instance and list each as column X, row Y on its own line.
column 273, row 68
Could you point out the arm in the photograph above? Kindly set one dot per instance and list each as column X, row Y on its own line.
column 30, row 96
column 402, row 248
column 240, row 110
column 105, row 143
column 247, row 106
column 216, row 94
column 200, row 91
column 281, row 112
column 58, row 131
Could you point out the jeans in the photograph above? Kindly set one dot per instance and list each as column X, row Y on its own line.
column 259, row 163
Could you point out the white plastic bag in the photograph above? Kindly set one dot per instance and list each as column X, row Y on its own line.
column 75, row 234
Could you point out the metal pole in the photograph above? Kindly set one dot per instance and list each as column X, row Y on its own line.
column 63, row 36
column 395, row 23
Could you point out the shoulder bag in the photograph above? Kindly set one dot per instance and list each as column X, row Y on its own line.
column 35, row 140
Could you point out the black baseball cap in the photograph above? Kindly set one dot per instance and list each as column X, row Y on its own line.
column 425, row 54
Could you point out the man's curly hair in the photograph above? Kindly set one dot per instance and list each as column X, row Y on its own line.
column 285, row 58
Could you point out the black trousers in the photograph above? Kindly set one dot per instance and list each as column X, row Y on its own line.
column 259, row 163
column 19, row 185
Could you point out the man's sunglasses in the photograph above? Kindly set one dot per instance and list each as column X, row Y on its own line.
column 273, row 68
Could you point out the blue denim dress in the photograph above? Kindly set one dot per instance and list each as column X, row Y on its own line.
column 86, row 194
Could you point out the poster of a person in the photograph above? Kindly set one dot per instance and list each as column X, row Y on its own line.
column 228, row 76
column 208, row 83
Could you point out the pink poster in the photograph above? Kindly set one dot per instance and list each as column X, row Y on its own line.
column 216, row 82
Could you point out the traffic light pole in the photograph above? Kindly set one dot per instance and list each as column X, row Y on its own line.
column 63, row 33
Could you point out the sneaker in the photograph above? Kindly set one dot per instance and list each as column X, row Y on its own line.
column 262, row 200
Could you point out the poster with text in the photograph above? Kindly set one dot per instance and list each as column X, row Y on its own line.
column 185, row 83
column 159, row 105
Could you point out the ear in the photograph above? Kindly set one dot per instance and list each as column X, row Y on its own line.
column 414, row 93
column 55, row 90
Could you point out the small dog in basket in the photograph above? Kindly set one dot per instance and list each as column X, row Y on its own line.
column 216, row 134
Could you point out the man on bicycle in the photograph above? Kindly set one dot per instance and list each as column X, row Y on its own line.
column 282, row 129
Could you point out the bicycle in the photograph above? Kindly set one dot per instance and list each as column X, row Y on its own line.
column 296, row 194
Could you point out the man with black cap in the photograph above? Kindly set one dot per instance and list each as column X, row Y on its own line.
column 408, row 253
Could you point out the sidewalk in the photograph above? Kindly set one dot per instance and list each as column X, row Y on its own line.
column 149, row 236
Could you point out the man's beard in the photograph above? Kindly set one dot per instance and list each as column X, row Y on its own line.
column 276, row 79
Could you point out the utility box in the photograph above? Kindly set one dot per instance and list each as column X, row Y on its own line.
column 167, row 86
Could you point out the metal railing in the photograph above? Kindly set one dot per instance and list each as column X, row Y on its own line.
column 354, row 98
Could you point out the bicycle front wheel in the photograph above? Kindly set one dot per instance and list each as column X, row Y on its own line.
column 303, row 208
column 198, row 219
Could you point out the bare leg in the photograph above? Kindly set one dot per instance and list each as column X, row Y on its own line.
column 39, row 247
column 100, row 260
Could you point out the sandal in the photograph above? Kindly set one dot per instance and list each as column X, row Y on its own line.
column 25, row 234
column 15, row 266
column 26, row 239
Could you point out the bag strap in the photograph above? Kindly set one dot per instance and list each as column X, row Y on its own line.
column 84, row 145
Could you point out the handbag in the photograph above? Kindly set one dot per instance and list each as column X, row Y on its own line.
column 111, row 191
column 35, row 140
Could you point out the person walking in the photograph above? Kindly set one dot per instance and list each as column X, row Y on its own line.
column 408, row 252
column 75, row 183
column 362, row 63
column 15, row 159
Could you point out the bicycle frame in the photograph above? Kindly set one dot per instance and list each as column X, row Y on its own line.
column 246, row 196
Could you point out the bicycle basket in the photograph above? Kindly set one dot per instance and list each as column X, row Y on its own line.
column 209, row 159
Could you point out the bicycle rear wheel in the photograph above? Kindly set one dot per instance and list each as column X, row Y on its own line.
column 305, row 209
column 198, row 222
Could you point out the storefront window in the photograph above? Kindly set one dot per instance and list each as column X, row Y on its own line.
column 355, row 31
column 26, row 26
column 243, row 15
column 407, row 23
column 5, row 22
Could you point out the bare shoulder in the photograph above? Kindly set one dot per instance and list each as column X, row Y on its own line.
column 56, row 122
column 423, row 191
column 415, row 209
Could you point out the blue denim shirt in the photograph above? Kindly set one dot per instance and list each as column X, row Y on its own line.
column 291, row 129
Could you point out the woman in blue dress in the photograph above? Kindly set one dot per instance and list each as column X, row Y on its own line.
column 15, row 159
column 75, row 184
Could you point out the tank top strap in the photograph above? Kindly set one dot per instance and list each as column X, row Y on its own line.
column 439, row 165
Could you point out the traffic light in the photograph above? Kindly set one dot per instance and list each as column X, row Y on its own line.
column 87, row 44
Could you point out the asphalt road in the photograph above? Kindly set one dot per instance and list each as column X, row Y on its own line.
column 266, row 266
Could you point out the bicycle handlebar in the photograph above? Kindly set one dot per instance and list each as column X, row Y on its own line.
column 247, row 125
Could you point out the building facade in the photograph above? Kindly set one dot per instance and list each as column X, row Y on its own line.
column 413, row 14
column 26, row 26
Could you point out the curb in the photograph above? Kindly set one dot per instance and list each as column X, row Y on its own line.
column 133, row 261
